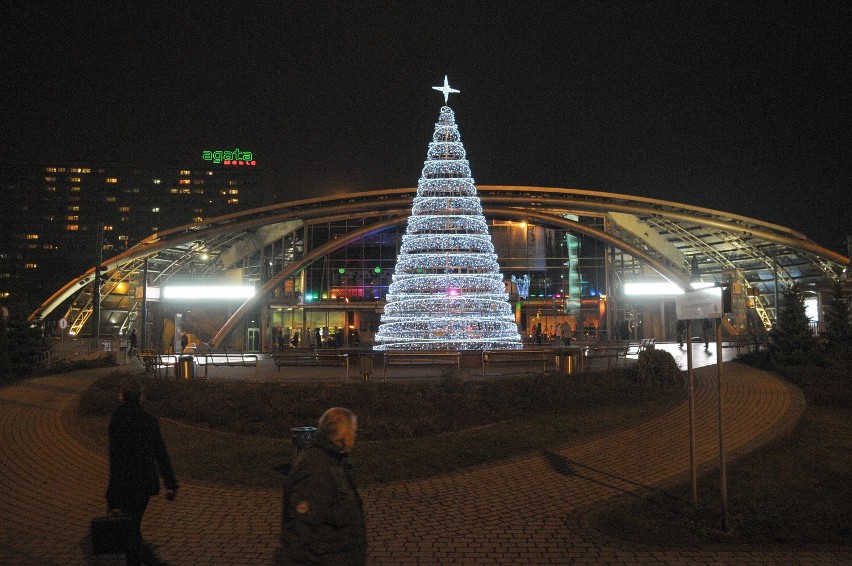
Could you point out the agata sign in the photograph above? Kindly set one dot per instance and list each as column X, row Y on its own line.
column 227, row 157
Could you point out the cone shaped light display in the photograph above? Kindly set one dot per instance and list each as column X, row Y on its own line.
column 447, row 292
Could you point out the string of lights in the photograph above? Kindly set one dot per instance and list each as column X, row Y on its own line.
column 447, row 292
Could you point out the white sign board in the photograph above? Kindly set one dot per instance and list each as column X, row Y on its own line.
column 63, row 323
column 703, row 303
column 152, row 295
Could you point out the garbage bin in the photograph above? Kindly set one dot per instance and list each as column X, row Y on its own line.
column 366, row 360
column 569, row 360
column 185, row 367
column 303, row 437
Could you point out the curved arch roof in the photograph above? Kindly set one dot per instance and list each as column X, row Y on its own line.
column 665, row 235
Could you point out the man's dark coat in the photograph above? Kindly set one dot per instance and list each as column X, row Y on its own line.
column 323, row 513
column 136, row 454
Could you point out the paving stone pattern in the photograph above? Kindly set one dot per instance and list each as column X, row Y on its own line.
column 524, row 510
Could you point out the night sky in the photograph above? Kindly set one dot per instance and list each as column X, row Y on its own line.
column 735, row 106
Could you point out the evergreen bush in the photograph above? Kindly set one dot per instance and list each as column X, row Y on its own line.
column 791, row 340
column 658, row 368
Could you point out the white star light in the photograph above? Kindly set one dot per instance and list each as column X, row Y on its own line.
column 446, row 89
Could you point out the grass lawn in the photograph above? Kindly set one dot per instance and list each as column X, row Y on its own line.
column 392, row 445
column 796, row 490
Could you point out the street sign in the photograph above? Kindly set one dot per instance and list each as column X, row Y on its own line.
column 702, row 303
column 63, row 323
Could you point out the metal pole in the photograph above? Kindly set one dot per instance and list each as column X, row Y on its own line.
column 96, row 294
column 693, row 472
column 723, row 472
column 144, row 309
column 775, row 281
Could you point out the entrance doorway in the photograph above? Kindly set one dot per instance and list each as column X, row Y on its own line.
column 253, row 340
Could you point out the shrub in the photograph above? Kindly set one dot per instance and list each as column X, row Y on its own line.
column 385, row 410
column 791, row 340
column 658, row 368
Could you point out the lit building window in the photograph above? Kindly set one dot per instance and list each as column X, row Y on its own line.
column 124, row 209
column 157, row 181
column 210, row 173
column 50, row 169
column 50, row 189
column 174, row 191
column 74, row 208
column 60, row 169
column 184, row 181
column 111, row 180
column 122, row 238
column 233, row 201
column 85, row 170
column 72, row 227
column 76, row 170
column 185, row 191
column 107, row 228
column 31, row 265
column 155, row 209
column 233, row 191
column 198, row 219
column 110, row 199
column 32, row 236
column 50, row 179
column 72, row 218
column 74, row 179
column 75, row 189
column 232, row 183
column 184, row 172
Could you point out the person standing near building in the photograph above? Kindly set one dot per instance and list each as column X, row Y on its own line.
column 137, row 459
column 680, row 327
column 132, row 350
column 184, row 341
column 323, row 519
column 567, row 334
column 706, row 330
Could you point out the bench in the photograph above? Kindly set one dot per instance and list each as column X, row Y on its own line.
column 528, row 359
column 294, row 357
column 228, row 359
column 308, row 357
column 644, row 345
column 155, row 363
column 608, row 351
column 739, row 341
column 421, row 359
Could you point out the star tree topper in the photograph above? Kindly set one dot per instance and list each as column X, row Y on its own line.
column 446, row 89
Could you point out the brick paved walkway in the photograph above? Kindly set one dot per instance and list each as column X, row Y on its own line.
column 525, row 510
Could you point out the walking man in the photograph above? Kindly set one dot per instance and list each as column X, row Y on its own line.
column 323, row 514
column 137, row 459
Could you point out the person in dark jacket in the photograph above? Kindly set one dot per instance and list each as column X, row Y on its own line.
column 323, row 519
column 137, row 459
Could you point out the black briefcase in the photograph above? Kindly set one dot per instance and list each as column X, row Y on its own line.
column 110, row 534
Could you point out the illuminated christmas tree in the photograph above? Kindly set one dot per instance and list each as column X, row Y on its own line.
column 447, row 292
